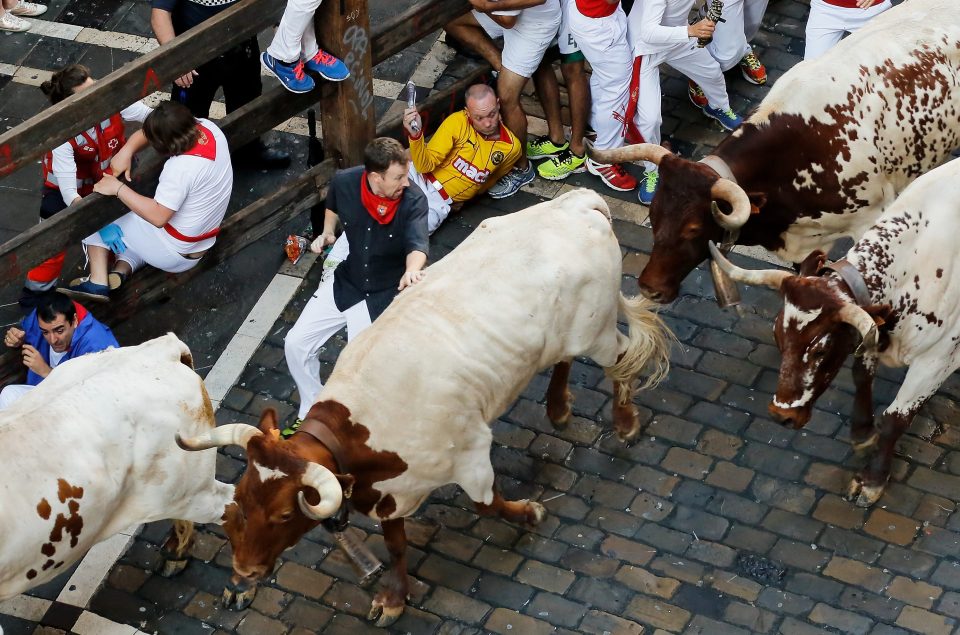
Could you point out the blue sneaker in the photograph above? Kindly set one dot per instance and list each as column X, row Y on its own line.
column 83, row 289
column 290, row 75
column 727, row 118
column 329, row 67
column 511, row 182
column 648, row 187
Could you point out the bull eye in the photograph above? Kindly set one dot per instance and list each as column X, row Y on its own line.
column 286, row 516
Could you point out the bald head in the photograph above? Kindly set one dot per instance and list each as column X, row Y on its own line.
column 483, row 109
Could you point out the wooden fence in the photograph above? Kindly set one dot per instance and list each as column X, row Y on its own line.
column 347, row 116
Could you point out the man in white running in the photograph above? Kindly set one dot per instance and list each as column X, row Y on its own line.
column 660, row 34
column 830, row 19
column 600, row 29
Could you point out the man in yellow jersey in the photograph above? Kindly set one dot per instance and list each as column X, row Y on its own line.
column 468, row 154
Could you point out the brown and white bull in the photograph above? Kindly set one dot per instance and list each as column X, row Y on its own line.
column 897, row 294
column 829, row 148
column 91, row 452
column 408, row 406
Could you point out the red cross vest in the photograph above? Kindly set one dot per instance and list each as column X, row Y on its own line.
column 92, row 151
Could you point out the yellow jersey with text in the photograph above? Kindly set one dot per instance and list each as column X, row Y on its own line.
column 460, row 158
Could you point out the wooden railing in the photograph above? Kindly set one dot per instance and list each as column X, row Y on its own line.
column 347, row 116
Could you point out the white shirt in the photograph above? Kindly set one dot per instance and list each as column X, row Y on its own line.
column 658, row 25
column 198, row 191
column 543, row 17
column 64, row 165
column 56, row 358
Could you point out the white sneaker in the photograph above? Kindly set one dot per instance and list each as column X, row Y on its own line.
column 29, row 9
column 10, row 22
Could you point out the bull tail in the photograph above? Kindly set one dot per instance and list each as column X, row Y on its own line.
column 648, row 348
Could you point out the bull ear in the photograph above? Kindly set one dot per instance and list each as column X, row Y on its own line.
column 812, row 264
column 879, row 312
column 268, row 421
column 346, row 483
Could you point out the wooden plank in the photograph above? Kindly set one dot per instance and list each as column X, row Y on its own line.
column 347, row 116
column 135, row 80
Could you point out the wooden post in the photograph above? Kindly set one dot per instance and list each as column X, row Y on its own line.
column 347, row 115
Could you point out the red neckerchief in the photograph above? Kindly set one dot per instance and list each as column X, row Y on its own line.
column 380, row 208
column 205, row 147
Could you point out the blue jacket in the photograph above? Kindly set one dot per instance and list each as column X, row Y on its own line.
column 90, row 336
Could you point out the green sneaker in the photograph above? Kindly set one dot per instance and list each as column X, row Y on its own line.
column 290, row 430
column 542, row 148
column 562, row 166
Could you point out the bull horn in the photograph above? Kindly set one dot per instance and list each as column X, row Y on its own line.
column 859, row 319
column 230, row 434
column 727, row 190
column 640, row 152
column 327, row 485
column 772, row 278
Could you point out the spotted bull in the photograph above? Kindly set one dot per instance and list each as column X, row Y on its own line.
column 407, row 408
column 895, row 297
column 91, row 452
column 829, row 148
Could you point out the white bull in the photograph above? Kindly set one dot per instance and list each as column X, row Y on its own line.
column 407, row 408
column 91, row 451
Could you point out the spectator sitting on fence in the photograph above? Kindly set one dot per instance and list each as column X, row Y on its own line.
column 294, row 47
column 237, row 71
column 387, row 222
column 71, row 169
column 469, row 153
column 527, row 28
column 57, row 330
column 172, row 230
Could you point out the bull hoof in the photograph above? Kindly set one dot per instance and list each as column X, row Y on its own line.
column 238, row 599
column 535, row 513
column 172, row 567
column 864, row 448
column 629, row 437
column 561, row 417
column 863, row 495
column 384, row 615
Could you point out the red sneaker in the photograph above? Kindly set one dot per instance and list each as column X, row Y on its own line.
column 753, row 70
column 613, row 175
column 695, row 93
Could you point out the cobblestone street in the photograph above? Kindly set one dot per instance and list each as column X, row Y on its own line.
column 718, row 521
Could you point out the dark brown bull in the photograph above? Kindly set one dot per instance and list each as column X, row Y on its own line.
column 825, row 153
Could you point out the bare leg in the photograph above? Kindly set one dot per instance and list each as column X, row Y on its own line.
column 389, row 602
column 522, row 511
column 467, row 30
column 176, row 548
column 99, row 261
column 625, row 419
column 578, row 92
column 509, row 85
column 862, row 433
column 548, row 92
column 559, row 397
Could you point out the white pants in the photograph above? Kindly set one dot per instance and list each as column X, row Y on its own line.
column 295, row 33
column 827, row 24
column 13, row 392
column 730, row 40
column 319, row 321
column 437, row 212
column 603, row 41
column 148, row 244
column 697, row 64
column 753, row 11
column 524, row 44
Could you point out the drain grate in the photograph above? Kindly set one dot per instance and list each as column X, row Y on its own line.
column 761, row 569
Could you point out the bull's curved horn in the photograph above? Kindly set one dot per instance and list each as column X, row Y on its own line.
column 772, row 278
column 327, row 485
column 859, row 319
column 230, row 434
column 727, row 190
column 639, row 152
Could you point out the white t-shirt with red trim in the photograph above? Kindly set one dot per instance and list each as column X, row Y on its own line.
column 198, row 190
